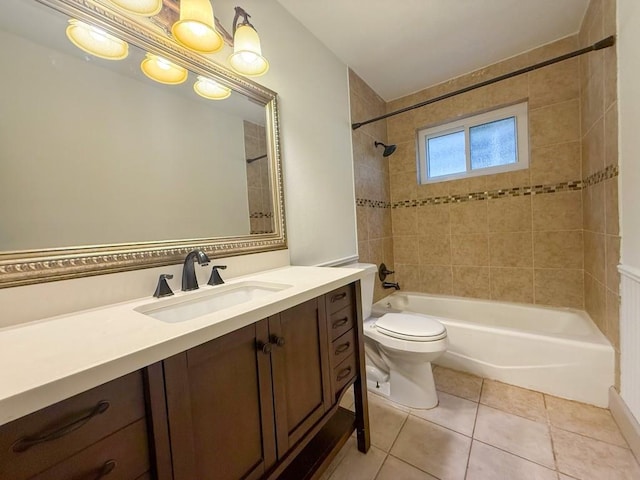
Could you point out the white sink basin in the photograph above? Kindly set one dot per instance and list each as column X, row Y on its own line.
column 208, row 301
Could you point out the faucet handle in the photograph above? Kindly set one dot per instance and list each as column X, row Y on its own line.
column 215, row 278
column 163, row 289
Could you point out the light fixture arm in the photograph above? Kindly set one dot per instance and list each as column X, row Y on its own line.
column 241, row 12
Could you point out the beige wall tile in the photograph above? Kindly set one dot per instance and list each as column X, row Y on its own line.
column 433, row 219
column 612, row 319
column 554, row 84
column 609, row 17
column 363, row 252
column 362, row 223
column 612, row 275
column 403, row 186
column 556, row 123
column 469, row 217
column 404, row 221
column 376, row 223
column 435, row 249
column 595, row 301
column 557, row 211
column 592, row 104
column 404, row 158
column 593, row 149
column 559, row 287
column 556, row 163
column 471, row 282
column 436, row 279
column 611, row 136
column 559, row 249
column 502, row 181
column 388, row 251
column 405, row 249
column 612, row 221
column 511, row 249
column 468, row 185
column 510, row 214
column 401, row 128
column 594, row 255
column 512, row 285
column 551, row 50
column 593, row 207
column 471, row 249
column 610, row 76
column 408, row 276
column 429, row 190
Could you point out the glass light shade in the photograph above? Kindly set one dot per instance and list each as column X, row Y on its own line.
column 146, row 8
column 162, row 70
column 96, row 41
column 247, row 58
column 207, row 88
column 196, row 28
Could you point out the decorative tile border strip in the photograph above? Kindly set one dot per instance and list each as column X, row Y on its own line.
column 609, row 172
column 261, row 215
column 576, row 185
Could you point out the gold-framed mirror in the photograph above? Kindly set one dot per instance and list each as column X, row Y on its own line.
column 104, row 170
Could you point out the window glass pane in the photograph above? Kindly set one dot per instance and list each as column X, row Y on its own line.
column 446, row 154
column 493, row 144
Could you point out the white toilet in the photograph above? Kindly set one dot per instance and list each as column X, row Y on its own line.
column 399, row 349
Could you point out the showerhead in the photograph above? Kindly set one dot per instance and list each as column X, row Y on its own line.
column 388, row 149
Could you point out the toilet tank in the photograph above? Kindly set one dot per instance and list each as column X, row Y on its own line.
column 366, row 284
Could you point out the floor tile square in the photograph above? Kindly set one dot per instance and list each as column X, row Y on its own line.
column 385, row 422
column 457, row 383
column 588, row 459
column 520, row 436
column 584, row 419
column 355, row 465
column 452, row 412
column 489, row 463
column 434, row 449
column 394, row 469
column 512, row 399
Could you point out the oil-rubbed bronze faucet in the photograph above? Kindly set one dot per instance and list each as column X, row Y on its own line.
column 189, row 280
column 391, row 285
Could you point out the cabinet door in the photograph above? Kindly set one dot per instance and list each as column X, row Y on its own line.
column 220, row 408
column 300, row 368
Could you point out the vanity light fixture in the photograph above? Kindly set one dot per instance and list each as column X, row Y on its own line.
column 145, row 8
column 246, row 58
column 96, row 41
column 210, row 89
column 196, row 28
column 162, row 70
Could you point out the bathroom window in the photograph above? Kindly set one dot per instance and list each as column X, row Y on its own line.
column 491, row 142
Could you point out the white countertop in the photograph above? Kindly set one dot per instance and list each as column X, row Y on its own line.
column 49, row 360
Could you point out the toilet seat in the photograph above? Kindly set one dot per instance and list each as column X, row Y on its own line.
column 415, row 328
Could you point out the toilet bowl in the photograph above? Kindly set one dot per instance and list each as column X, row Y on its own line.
column 399, row 349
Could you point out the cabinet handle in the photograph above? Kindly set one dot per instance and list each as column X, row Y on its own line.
column 276, row 340
column 338, row 296
column 342, row 348
column 265, row 347
column 108, row 467
column 340, row 323
column 344, row 373
column 25, row 443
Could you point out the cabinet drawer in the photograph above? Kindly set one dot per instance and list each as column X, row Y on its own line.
column 340, row 322
column 342, row 347
column 36, row 442
column 339, row 299
column 343, row 374
column 123, row 455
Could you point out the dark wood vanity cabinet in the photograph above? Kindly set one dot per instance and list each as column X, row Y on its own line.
column 258, row 403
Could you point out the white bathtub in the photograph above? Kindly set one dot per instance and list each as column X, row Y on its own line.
column 551, row 350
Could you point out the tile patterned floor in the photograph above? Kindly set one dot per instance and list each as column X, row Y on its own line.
column 486, row 430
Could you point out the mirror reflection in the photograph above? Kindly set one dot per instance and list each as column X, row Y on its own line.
column 95, row 152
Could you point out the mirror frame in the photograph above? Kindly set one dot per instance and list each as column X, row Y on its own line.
column 26, row 267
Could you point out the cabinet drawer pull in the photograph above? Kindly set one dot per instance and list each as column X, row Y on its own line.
column 342, row 348
column 344, row 373
column 340, row 323
column 338, row 296
column 108, row 467
column 278, row 341
column 25, row 443
column 264, row 347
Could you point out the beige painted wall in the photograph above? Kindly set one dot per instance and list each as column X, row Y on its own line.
column 520, row 247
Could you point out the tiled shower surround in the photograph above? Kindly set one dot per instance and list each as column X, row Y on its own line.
column 545, row 235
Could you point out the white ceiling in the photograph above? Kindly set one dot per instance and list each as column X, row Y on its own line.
column 400, row 47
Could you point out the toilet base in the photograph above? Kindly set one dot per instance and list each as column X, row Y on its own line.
column 414, row 388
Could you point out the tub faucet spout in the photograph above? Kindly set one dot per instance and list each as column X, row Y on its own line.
column 391, row 285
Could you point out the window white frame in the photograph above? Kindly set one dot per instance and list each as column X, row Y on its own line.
column 519, row 111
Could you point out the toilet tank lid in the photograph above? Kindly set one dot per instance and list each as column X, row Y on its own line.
column 411, row 327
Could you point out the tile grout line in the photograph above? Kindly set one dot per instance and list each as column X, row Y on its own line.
column 473, row 430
